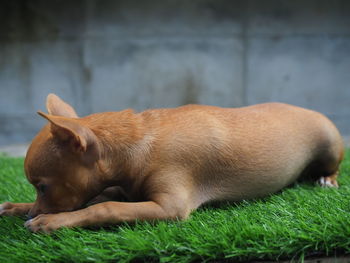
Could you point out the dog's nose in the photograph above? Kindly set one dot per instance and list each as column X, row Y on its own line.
column 29, row 217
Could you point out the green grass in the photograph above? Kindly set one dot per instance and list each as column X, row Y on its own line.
column 300, row 221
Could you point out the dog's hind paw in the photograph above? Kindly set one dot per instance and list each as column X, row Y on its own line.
column 327, row 182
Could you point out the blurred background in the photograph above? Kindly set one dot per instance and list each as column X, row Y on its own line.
column 110, row 55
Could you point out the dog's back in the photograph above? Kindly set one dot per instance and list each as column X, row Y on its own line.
column 244, row 152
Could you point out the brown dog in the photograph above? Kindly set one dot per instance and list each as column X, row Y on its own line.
column 168, row 162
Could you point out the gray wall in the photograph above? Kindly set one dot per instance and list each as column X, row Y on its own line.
column 104, row 55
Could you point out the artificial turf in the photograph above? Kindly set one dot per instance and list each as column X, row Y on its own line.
column 301, row 221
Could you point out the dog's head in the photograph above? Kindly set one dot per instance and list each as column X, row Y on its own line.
column 63, row 161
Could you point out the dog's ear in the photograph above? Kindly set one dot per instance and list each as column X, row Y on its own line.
column 56, row 106
column 80, row 138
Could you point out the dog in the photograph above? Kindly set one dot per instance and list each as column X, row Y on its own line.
column 167, row 162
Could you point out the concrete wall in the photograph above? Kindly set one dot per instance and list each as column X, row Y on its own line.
column 110, row 55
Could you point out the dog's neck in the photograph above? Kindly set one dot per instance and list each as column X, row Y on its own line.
column 124, row 142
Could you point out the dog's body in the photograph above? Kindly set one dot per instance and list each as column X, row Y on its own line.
column 168, row 162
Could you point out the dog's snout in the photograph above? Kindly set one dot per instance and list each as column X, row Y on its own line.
column 29, row 217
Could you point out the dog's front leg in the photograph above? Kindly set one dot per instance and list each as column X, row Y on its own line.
column 15, row 209
column 113, row 193
column 108, row 213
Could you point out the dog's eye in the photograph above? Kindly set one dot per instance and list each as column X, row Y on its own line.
column 42, row 188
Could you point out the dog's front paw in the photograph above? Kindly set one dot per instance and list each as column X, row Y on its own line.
column 47, row 222
column 10, row 209
column 4, row 209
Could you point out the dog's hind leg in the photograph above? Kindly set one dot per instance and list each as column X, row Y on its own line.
column 328, row 169
column 324, row 169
